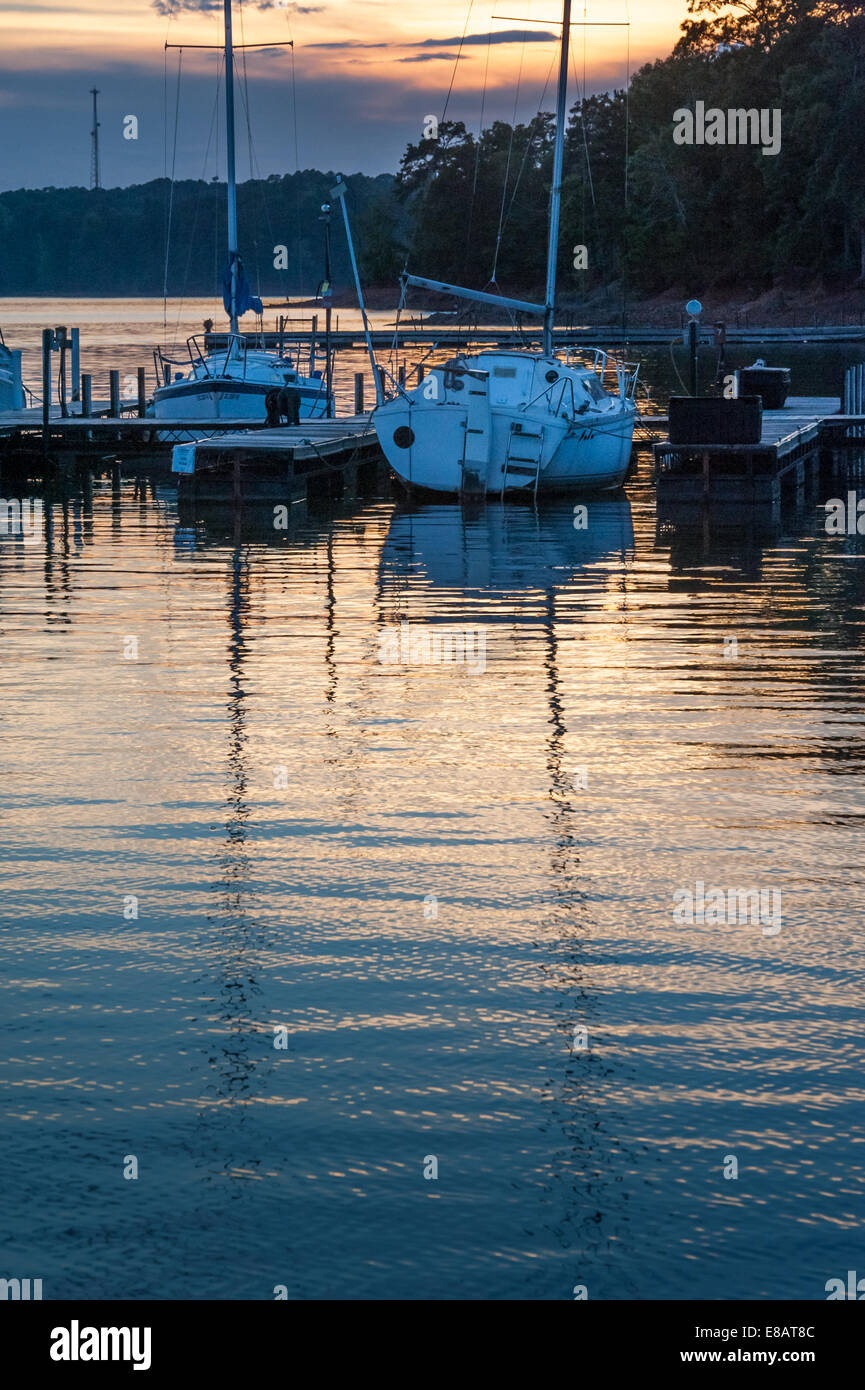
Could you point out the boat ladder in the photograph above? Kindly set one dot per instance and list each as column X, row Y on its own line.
column 477, row 434
column 524, row 455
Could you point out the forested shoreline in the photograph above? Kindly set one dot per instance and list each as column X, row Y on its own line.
column 652, row 214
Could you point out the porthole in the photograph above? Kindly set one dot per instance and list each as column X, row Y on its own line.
column 551, row 376
column 403, row 437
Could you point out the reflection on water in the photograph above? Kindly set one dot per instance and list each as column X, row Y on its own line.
column 451, row 891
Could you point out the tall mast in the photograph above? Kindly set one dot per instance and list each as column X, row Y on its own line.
column 232, row 181
column 556, row 191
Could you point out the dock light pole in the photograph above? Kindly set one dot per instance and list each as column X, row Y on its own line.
column 339, row 192
column 695, row 309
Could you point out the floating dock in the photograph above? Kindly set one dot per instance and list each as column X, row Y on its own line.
column 72, row 438
column 791, row 443
column 282, row 465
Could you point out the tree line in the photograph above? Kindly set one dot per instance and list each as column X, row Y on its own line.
column 651, row 212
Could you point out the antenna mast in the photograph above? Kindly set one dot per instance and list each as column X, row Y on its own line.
column 94, row 138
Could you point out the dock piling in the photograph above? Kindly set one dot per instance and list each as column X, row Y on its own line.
column 114, row 393
column 61, row 342
column 142, row 394
column 86, row 395
column 75, row 352
column 47, row 344
column 328, row 371
column 358, row 393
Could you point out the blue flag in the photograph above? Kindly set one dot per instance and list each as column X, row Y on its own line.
column 245, row 299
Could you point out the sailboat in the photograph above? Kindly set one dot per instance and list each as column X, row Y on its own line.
column 232, row 383
column 11, row 389
column 501, row 422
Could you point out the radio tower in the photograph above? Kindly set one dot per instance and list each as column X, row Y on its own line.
column 94, row 136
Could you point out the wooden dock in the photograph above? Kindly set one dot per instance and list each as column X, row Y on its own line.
column 791, row 442
column 282, row 465
column 23, row 435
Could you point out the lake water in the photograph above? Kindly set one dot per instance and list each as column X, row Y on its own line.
column 447, row 891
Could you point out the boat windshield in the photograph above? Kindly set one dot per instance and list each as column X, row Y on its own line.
column 594, row 388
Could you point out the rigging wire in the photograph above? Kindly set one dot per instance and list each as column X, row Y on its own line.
column 627, row 158
column 508, row 163
column 478, row 153
column 171, row 194
column 296, row 169
column 530, row 141
column 456, row 61
column 191, row 245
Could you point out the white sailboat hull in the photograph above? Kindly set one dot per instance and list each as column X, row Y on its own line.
column 476, row 439
column 209, row 392
column 11, row 391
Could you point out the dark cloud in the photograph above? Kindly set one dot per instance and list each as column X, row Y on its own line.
column 350, row 43
column 502, row 36
column 169, row 7
column 430, row 58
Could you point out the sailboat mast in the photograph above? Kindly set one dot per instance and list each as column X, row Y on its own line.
column 556, row 191
column 232, row 180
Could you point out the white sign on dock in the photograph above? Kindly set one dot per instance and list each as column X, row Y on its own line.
column 183, row 458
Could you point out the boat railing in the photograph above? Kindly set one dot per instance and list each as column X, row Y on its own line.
column 626, row 373
column 196, row 356
column 563, row 385
column 241, row 352
column 163, row 365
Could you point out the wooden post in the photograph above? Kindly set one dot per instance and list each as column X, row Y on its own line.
column 47, row 343
column 60, row 340
column 328, row 375
column 142, row 394
column 380, row 371
column 401, row 375
column 114, row 393
column 75, row 349
column 421, row 373
column 86, row 395
column 358, row 393
column 312, row 337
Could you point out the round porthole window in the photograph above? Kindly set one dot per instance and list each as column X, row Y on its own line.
column 403, row 437
column 551, row 376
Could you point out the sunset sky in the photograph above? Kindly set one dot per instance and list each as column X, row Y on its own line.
column 367, row 73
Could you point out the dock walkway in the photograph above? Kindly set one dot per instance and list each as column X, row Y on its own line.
column 790, row 438
column 280, row 464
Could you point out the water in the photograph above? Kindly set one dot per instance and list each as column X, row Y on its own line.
column 433, row 879
column 121, row 334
